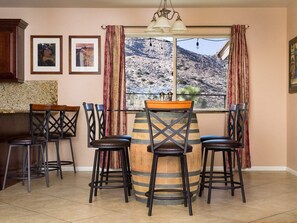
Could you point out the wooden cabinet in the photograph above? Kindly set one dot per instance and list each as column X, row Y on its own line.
column 12, row 50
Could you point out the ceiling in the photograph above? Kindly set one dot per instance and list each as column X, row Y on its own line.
column 141, row 3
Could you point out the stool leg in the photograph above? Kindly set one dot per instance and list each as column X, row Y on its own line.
column 126, row 158
column 44, row 166
column 210, row 176
column 97, row 173
column 6, row 168
column 128, row 167
column 182, row 163
column 124, row 172
column 202, row 180
column 93, row 175
column 103, row 168
column 231, row 172
column 240, row 177
column 24, row 167
column 153, row 182
column 72, row 155
column 107, row 167
column 29, row 171
column 187, row 184
column 224, row 166
column 58, row 159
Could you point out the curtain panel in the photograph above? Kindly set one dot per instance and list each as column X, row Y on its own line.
column 238, row 81
column 115, row 86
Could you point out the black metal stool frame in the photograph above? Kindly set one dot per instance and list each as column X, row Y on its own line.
column 169, row 146
column 230, row 146
column 101, row 129
column 105, row 145
column 39, row 118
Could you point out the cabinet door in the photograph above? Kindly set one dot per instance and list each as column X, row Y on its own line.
column 7, row 53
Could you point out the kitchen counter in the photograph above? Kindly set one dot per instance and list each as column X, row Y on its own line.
column 16, row 97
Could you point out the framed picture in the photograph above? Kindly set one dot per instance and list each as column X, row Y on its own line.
column 293, row 65
column 84, row 54
column 46, row 54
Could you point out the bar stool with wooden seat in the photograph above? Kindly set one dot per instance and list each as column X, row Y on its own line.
column 102, row 129
column 38, row 138
column 229, row 146
column 105, row 145
column 55, row 134
column 69, row 126
column 169, row 124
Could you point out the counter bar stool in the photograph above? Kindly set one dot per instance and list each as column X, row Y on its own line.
column 55, row 134
column 102, row 128
column 105, row 145
column 169, row 124
column 231, row 135
column 69, row 125
column 38, row 138
column 228, row 146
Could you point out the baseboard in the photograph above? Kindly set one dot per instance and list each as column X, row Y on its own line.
column 217, row 168
column 294, row 172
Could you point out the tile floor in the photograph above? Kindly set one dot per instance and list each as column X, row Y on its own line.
column 271, row 197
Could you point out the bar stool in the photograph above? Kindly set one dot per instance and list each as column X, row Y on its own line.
column 169, row 124
column 231, row 124
column 105, row 145
column 102, row 128
column 228, row 146
column 38, row 138
column 69, row 126
column 55, row 134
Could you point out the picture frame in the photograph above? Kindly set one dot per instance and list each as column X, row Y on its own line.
column 84, row 54
column 293, row 65
column 46, row 54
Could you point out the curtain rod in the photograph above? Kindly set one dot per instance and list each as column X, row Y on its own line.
column 223, row 26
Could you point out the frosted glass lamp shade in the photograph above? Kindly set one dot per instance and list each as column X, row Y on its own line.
column 178, row 26
column 162, row 23
column 150, row 27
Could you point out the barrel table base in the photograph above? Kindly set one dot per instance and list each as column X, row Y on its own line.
column 169, row 169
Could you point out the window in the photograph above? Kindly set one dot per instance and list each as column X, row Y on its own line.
column 182, row 68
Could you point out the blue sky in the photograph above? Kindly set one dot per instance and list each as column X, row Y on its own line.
column 207, row 46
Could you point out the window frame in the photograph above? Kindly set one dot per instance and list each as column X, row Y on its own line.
column 198, row 32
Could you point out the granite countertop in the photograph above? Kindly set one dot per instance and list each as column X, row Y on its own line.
column 16, row 97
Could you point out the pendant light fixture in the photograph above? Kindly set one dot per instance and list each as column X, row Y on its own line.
column 160, row 22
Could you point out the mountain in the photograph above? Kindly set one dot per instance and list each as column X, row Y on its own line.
column 149, row 69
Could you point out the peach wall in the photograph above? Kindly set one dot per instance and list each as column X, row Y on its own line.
column 292, row 98
column 267, row 48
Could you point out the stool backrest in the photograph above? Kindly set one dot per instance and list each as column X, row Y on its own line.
column 101, row 120
column 240, row 122
column 232, row 115
column 56, row 121
column 39, row 122
column 91, row 123
column 169, row 122
column 69, row 125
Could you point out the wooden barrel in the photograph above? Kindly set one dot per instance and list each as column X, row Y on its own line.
column 169, row 170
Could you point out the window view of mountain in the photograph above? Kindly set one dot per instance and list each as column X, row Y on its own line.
column 149, row 73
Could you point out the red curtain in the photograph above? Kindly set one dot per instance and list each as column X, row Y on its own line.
column 115, row 85
column 238, row 83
